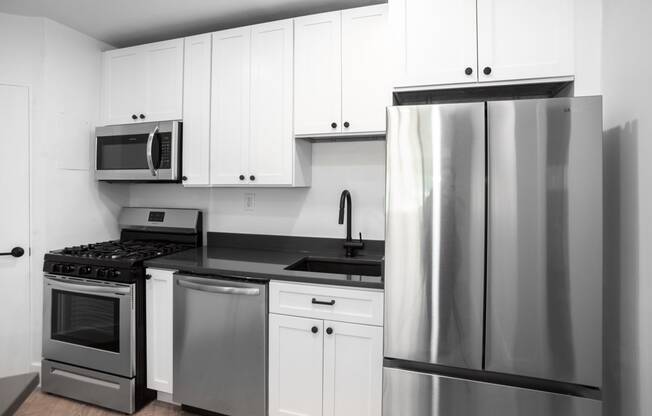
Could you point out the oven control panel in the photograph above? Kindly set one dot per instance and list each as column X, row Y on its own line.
column 93, row 272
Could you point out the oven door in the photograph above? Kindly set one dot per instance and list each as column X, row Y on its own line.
column 89, row 323
column 141, row 152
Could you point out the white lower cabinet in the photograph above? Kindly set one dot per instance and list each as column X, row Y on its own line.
column 323, row 367
column 158, row 293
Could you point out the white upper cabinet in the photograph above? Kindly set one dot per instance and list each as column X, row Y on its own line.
column 271, row 139
column 435, row 41
column 230, row 106
column 341, row 72
column 525, row 39
column 143, row 83
column 365, row 69
column 318, row 74
column 441, row 42
column 196, row 102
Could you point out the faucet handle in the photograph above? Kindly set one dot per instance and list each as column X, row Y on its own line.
column 360, row 236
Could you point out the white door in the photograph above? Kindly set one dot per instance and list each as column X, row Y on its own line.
column 353, row 369
column 164, row 78
column 197, row 110
column 435, row 41
column 230, row 106
column 271, row 139
column 317, row 74
column 14, row 230
column 525, row 39
column 124, row 88
column 158, row 292
column 365, row 69
column 295, row 366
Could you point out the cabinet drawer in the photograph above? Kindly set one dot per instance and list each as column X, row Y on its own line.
column 354, row 305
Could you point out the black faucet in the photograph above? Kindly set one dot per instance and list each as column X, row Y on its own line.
column 349, row 244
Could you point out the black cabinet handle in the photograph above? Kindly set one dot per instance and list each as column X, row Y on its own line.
column 135, row 117
column 252, row 178
column 148, row 276
column 468, row 71
column 184, row 178
column 314, row 329
column 347, row 124
column 241, row 177
column 142, row 116
column 329, row 331
column 321, row 302
column 487, row 70
column 334, row 125
column 15, row 252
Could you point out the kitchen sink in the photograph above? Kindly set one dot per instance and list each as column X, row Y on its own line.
column 337, row 266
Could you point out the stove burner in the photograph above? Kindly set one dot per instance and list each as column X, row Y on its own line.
column 128, row 250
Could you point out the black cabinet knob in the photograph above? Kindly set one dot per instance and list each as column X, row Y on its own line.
column 184, row 178
column 487, row 70
column 468, row 71
column 142, row 116
column 347, row 124
column 334, row 125
column 329, row 331
column 241, row 177
column 135, row 117
column 252, row 178
column 314, row 329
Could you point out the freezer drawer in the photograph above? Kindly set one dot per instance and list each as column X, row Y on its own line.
column 435, row 229
column 544, row 270
column 422, row 394
column 220, row 345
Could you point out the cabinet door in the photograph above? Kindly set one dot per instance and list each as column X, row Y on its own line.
column 353, row 369
column 271, row 140
column 159, row 329
column 317, row 74
column 123, row 85
column 230, row 105
column 164, row 80
column 525, row 39
column 435, row 41
column 295, row 366
column 197, row 106
column 365, row 76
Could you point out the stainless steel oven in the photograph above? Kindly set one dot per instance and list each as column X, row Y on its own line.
column 90, row 323
column 145, row 152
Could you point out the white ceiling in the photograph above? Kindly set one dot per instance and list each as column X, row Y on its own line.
column 131, row 22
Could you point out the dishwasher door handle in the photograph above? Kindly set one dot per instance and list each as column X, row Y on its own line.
column 220, row 289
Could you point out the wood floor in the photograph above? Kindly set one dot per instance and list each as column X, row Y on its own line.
column 39, row 403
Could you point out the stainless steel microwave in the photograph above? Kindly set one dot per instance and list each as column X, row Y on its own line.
column 144, row 152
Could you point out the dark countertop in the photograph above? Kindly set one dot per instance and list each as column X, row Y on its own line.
column 14, row 390
column 262, row 264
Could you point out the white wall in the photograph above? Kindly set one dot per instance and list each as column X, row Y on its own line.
column 627, row 85
column 62, row 69
column 357, row 166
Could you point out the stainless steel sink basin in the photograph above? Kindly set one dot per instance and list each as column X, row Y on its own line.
column 337, row 266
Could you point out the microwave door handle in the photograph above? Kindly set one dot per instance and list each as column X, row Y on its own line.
column 150, row 142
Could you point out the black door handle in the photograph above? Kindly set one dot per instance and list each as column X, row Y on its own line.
column 16, row 252
column 321, row 302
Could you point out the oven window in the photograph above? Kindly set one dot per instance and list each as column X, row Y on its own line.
column 88, row 320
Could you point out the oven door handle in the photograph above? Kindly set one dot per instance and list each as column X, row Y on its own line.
column 150, row 142
column 219, row 289
column 89, row 288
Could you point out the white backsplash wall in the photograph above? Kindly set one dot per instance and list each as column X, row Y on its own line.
column 356, row 166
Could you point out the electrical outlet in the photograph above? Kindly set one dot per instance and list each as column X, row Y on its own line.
column 249, row 201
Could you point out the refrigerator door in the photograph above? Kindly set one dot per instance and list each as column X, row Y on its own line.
column 544, row 282
column 422, row 394
column 435, row 230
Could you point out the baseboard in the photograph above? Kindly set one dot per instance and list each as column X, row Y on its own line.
column 36, row 368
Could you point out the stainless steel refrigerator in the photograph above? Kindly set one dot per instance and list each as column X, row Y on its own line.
column 493, row 266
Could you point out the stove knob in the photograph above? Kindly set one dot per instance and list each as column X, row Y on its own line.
column 116, row 273
column 110, row 273
column 68, row 268
column 101, row 272
column 85, row 270
column 57, row 268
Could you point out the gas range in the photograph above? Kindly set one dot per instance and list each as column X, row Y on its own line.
column 111, row 260
column 94, row 303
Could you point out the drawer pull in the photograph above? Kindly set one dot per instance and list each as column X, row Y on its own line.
column 321, row 302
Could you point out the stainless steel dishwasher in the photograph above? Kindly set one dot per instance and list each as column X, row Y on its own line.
column 220, row 345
